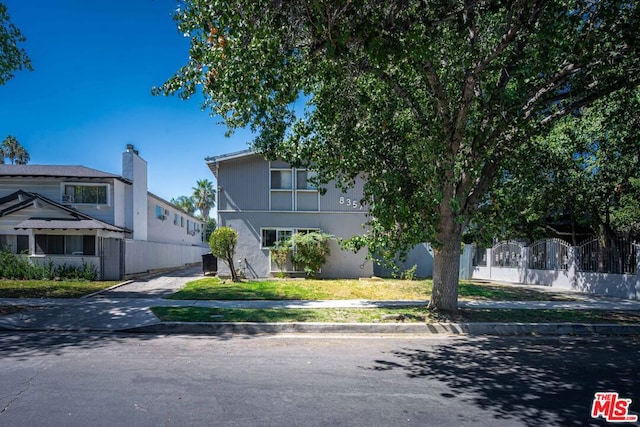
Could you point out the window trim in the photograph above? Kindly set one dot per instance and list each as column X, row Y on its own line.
column 63, row 186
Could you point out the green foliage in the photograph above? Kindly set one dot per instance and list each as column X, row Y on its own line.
column 209, row 227
column 427, row 100
column 185, row 203
column 19, row 268
column 280, row 254
column 12, row 57
column 223, row 245
column 410, row 274
column 584, row 173
column 13, row 150
column 310, row 251
column 204, row 197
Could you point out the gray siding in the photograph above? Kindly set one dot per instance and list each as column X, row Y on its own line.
column 50, row 188
column 243, row 184
column 256, row 261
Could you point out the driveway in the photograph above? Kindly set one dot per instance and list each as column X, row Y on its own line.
column 158, row 285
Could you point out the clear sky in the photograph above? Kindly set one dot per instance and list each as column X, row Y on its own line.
column 95, row 62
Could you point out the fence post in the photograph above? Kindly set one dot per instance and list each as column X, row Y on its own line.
column 637, row 288
column 490, row 262
column 524, row 264
column 572, row 266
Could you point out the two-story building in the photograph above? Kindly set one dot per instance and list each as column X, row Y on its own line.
column 75, row 214
column 267, row 201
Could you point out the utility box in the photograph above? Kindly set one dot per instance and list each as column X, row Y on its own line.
column 209, row 264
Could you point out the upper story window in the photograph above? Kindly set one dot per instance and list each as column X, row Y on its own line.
column 292, row 189
column 176, row 219
column 161, row 213
column 281, row 179
column 304, row 180
column 89, row 194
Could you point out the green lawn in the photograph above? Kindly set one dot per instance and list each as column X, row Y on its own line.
column 384, row 315
column 369, row 289
column 50, row 289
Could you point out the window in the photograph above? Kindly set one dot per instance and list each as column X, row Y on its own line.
column 14, row 244
column 181, row 221
column 281, row 179
column 272, row 235
column 23, row 244
column 176, row 219
column 304, row 178
column 85, row 194
column 65, row 245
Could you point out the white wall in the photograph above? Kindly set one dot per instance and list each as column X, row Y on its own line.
column 142, row 256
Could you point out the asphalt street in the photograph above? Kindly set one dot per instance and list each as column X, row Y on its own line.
column 111, row 379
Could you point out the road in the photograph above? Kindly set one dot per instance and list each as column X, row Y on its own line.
column 80, row 379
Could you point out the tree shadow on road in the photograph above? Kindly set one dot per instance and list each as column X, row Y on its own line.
column 534, row 381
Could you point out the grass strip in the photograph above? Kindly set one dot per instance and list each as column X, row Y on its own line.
column 50, row 288
column 381, row 290
column 391, row 315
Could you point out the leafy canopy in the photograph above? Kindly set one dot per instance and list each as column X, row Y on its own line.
column 12, row 57
column 426, row 99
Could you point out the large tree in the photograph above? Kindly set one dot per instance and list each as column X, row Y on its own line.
column 204, row 197
column 426, row 99
column 12, row 57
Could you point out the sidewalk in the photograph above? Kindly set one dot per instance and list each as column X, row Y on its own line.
column 128, row 308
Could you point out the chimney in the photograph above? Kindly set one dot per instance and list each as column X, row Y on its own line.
column 134, row 168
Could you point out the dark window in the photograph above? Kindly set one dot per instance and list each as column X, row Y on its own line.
column 89, row 245
column 23, row 244
column 50, row 244
column 86, row 194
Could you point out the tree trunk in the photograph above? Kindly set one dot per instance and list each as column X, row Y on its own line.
column 232, row 268
column 446, row 267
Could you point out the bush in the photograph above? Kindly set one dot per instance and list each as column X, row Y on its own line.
column 311, row 251
column 223, row 245
column 280, row 256
column 19, row 268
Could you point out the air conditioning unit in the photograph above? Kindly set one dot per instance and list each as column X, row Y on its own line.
column 67, row 198
column 162, row 217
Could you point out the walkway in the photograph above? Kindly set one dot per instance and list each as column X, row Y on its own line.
column 128, row 306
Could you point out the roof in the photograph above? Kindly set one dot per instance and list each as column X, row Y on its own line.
column 57, row 171
column 78, row 220
column 64, row 224
column 213, row 161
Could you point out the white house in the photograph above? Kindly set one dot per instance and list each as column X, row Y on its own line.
column 75, row 214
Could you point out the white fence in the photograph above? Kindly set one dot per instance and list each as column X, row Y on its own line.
column 611, row 268
column 141, row 256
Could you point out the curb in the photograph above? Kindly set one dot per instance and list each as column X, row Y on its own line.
column 501, row 329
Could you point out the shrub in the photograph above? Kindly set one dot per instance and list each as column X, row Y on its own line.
column 280, row 256
column 311, row 251
column 18, row 268
column 223, row 245
column 410, row 274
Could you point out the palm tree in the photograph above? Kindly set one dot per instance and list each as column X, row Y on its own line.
column 21, row 156
column 185, row 203
column 12, row 149
column 204, row 197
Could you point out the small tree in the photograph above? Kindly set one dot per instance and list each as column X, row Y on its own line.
column 311, row 251
column 223, row 245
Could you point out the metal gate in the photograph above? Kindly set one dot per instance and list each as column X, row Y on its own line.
column 112, row 258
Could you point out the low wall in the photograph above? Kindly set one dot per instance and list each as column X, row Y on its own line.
column 142, row 256
column 614, row 285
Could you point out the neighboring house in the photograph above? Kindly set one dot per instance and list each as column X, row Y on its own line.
column 268, row 201
column 75, row 214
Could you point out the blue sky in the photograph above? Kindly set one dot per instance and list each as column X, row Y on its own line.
column 95, row 62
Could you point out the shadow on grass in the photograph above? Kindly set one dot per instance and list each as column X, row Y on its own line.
column 537, row 382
